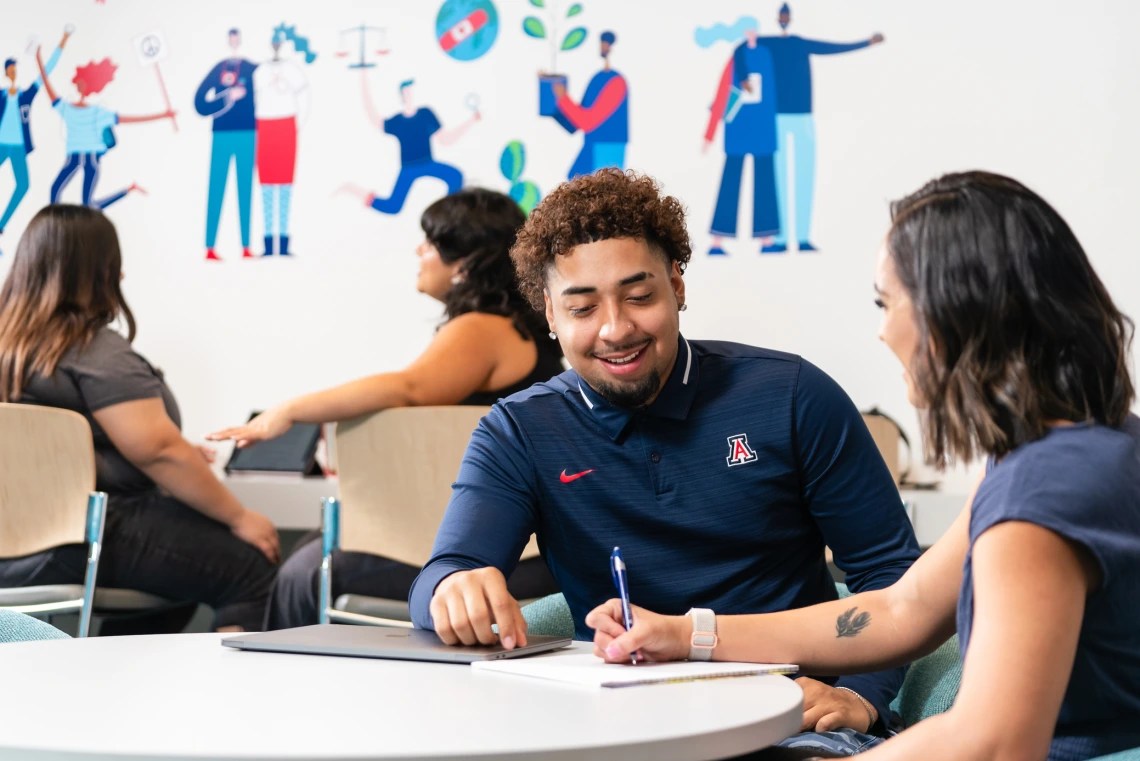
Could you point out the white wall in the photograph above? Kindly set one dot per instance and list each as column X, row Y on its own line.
column 1044, row 91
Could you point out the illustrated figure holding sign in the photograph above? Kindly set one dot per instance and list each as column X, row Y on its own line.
column 746, row 102
column 282, row 99
column 226, row 96
column 89, row 130
column 15, row 127
column 414, row 128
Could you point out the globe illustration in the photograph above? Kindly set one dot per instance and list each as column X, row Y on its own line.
column 466, row 29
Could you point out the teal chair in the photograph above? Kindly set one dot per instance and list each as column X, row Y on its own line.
column 16, row 627
column 929, row 689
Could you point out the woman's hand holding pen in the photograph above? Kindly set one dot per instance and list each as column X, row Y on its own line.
column 653, row 637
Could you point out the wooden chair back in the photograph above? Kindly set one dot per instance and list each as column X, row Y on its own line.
column 396, row 468
column 47, row 472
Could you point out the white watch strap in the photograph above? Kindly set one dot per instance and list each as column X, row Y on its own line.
column 704, row 637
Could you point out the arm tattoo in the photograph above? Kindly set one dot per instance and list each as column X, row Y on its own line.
column 849, row 625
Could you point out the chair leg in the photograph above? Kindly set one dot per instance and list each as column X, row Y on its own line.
column 330, row 540
column 96, row 511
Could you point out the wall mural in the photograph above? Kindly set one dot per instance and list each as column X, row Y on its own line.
column 282, row 100
column 16, row 126
column 466, row 29
column 90, row 129
column 512, row 163
column 413, row 127
column 602, row 115
column 226, row 97
column 762, row 102
column 764, row 99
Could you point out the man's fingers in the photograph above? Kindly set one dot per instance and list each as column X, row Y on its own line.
column 831, row 722
column 813, row 715
column 441, row 620
column 460, row 622
column 621, row 648
column 507, row 616
column 607, row 618
column 479, row 615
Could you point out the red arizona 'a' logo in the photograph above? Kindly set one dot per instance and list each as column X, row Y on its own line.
column 739, row 453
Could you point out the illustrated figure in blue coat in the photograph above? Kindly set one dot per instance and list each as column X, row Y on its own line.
column 746, row 102
column 603, row 116
column 791, row 55
column 15, row 127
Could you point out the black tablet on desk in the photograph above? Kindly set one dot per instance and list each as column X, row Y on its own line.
column 294, row 451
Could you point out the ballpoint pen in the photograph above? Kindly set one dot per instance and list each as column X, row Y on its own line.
column 617, row 569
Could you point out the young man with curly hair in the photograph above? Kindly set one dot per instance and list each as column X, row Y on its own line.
column 721, row 470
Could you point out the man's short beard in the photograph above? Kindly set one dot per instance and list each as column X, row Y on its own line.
column 631, row 396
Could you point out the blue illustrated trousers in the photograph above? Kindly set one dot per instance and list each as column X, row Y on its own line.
column 801, row 128
column 92, row 164
column 409, row 173
column 19, row 159
column 765, row 212
column 238, row 146
column 595, row 156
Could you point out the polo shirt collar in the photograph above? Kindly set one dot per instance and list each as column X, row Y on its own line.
column 672, row 403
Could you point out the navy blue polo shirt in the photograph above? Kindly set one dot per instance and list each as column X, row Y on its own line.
column 721, row 494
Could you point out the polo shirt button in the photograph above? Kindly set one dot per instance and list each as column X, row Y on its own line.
column 655, row 458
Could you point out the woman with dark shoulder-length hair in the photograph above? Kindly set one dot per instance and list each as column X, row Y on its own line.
column 1012, row 349
column 171, row 529
column 491, row 345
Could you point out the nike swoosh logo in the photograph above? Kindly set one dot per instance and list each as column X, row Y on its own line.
column 567, row 479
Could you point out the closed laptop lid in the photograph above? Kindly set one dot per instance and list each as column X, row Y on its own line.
column 384, row 642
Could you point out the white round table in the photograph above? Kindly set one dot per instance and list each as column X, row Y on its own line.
column 187, row 697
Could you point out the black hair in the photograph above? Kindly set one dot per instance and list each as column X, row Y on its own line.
column 1015, row 328
column 478, row 227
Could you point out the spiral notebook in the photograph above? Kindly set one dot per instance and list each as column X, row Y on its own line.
column 586, row 670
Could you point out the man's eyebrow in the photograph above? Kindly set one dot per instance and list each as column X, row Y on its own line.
column 578, row 290
column 636, row 278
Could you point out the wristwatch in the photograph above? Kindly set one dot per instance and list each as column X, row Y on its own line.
column 704, row 637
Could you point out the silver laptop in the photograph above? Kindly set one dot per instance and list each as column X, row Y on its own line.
column 384, row 642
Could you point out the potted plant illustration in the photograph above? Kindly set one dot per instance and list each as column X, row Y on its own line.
column 549, row 30
column 512, row 162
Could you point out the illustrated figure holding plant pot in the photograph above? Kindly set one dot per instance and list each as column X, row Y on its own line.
column 602, row 115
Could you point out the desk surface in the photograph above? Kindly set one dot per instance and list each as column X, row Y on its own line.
column 187, row 697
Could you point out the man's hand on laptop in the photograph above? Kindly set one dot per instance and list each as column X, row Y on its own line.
column 467, row 603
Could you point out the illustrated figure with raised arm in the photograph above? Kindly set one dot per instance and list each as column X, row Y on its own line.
column 602, row 116
column 795, row 126
column 16, row 126
column 282, row 99
column 226, row 96
column 1013, row 351
column 89, row 130
column 414, row 127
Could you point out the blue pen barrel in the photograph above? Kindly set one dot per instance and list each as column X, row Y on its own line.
column 621, row 581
